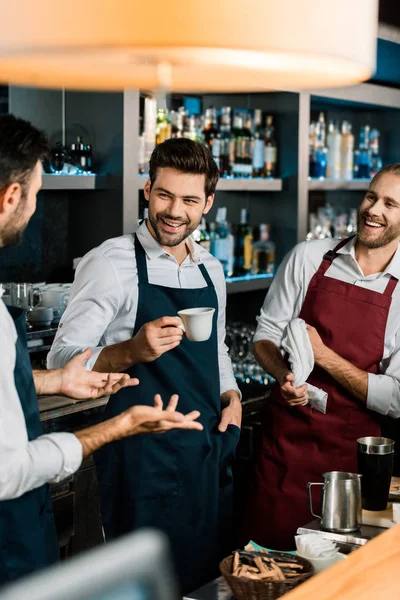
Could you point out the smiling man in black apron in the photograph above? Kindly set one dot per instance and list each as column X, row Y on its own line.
column 28, row 459
column 132, row 288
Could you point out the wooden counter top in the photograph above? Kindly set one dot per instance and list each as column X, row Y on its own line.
column 370, row 573
column 53, row 407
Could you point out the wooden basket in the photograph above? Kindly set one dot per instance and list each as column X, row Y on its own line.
column 249, row 589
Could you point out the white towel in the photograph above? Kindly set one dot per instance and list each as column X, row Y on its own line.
column 301, row 357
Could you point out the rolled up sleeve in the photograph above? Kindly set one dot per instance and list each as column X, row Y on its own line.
column 49, row 458
column 226, row 376
column 93, row 304
column 384, row 389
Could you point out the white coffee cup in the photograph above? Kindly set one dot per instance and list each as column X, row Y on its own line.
column 197, row 323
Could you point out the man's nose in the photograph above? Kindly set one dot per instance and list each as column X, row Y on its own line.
column 175, row 207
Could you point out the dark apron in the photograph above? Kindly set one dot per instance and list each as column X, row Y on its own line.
column 28, row 539
column 179, row 481
column 299, row 443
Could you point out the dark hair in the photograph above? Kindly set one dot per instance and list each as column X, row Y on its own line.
column 185, row 156
column 21, row 146
column 394, row 168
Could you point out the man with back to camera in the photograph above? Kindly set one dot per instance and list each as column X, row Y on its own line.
column 348, row 294
column 28, row 459
column 124, row 305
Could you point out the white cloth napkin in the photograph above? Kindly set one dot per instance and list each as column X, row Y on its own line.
column 301, row 357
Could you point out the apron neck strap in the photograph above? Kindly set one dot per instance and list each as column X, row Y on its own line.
column 330, row 256
column 391, row 286
column 142, row 265
column 205, row 274
column 141, row 261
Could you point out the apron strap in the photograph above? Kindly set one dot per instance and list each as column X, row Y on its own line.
column 141, row 261
column 330, row 256
column 142, row 265
column 391, row 286
column 206, row 276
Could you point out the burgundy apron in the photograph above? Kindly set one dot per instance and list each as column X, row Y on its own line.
column 299, row 443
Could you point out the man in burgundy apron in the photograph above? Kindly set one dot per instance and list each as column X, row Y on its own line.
column 299, row 443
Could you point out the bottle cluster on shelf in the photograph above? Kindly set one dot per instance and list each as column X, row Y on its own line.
column 242, row 142
column 331, row 222
column 76, row 159
column 332, row 153
column 241, row 249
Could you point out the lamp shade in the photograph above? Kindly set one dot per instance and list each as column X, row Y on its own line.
column 212, row 45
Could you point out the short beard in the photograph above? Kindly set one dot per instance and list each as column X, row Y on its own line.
column 389, row 235
column 162, row 238
column 12, row 238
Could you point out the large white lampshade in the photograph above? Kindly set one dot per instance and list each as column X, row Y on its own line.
column 204, row 45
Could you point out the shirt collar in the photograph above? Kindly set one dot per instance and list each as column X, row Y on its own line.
column 393, row 267
column 154, row 250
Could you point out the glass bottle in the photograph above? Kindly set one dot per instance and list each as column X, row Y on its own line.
column 223, row 242
column 247, row 147
column 334, row 140
column 362, row 159
column 319, row 162
column 201, row 235
column 376, row 159
column 258, row 147
column 263, row 253
column 270, row 149
column 346, row 150
column 210, row 126
column 243, row 245
column 238, row 136
column 163, row 128
column 227, row 143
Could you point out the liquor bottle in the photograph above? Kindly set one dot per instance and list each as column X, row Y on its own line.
column 227, row 150
column 243, row 245
column 258, row 147
column 263, row 253
column 210, row 126
column 376, row 159
column 216, row 150
column 334, row 141
column 237, row 132
column 181, row 121
column 270, row 149
column 201, row 235
column 346, row 150
column 247, row 147
column 362, row 159
column 163, row 128
column 223, row 243
column 319, row 159
column 191, row 131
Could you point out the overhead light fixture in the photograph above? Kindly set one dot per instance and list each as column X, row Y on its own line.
column 212, row 45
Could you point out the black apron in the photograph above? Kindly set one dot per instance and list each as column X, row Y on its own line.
column 179, row 481
column 28, row 539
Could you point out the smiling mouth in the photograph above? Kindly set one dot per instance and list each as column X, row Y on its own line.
column 171, row 226
column 369, row 224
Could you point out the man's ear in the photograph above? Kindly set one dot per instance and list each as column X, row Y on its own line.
column 10, row 198
column 146, row 190
column 209, row 203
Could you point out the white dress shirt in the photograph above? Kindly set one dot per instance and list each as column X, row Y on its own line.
column 288, row 291
column 104, row 297
column 26, row 465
